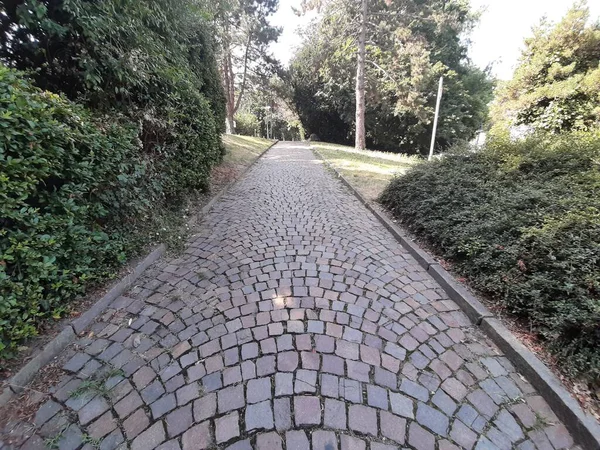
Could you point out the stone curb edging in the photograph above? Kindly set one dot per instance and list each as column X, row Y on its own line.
column 17, row 382
column 584, row 428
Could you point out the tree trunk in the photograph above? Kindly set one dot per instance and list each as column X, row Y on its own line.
column 229, row 124
column 228, row 86
column 360, row 82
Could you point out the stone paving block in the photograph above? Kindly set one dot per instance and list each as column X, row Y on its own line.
column 307, row 410
column 284, row 384
column 212, row 382
column 351, row 443
column 163, row 405
column 509, row 426
column 179, row 420
column 392, row 427
column 483, row 403
column 152, row 392
column 269, row 441
column 227, row 427
column 351, row 390
column 282, row 414
column 420, row 438
column 258, row 390
column 46, row 412
column 333, row 364
column 135, row 424
column 335, row 414
column 380, row 446
column 358, row 370
column 444, row 402
column 102, row 426
column 259, row 416
column 363, row 419
column 77, row 362
column 463, row 435
column 296, row 440
column 92, row 410
column 415, row 390
column 306, row 381
column 287, row 361
column 377, row 397
column 265, row 365
column 151, row 438
column 113, row 441
column 71, row 439
column 197, row 437
column 205, row 407
column 324, row 440
column 433, row 419
column 173, row 444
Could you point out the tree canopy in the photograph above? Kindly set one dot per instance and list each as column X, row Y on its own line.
column 556, row 86
column 244, row 35
column 409, row 46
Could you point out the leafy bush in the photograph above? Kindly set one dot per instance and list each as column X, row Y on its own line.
column 73, row 189
column 82, row 183
column 521, row 220
column 246, row 124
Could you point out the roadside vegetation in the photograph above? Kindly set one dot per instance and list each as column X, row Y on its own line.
column 368, row 171
column 241, row 151
column 521, row 221
column 111, row 114
column 406, row 47
column 519, row 218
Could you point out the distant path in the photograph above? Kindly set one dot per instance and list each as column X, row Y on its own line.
column 294, row 319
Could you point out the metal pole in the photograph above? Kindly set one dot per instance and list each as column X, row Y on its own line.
column 435, row 119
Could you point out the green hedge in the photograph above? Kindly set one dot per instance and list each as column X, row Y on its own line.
column 74, row 188
column 122, row 125
column 521, row 220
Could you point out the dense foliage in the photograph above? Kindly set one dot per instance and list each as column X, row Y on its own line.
column 409, row 46
column 521, row 220
column 245, row 33
column 556, row 86
column 265, row 104
column 82, row 178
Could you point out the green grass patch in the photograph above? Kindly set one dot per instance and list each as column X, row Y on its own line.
column 243, row 150
column 368, row 171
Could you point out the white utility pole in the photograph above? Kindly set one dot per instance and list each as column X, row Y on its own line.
column 435, row 119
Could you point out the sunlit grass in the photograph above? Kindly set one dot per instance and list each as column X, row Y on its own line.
column 368, row 171
column 243, row 150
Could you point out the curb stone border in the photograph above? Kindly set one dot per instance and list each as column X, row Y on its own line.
column 52, row 349
column 584, row 428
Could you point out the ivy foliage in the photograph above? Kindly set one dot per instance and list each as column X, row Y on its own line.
column 116, row 121
column 520, row 220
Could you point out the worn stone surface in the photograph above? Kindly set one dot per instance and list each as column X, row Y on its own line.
column 293, row 318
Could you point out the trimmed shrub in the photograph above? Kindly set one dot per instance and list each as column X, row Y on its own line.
column 74, row 189
column 520, row 220
column 85, row 185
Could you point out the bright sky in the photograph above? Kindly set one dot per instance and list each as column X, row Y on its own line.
column 498, row 38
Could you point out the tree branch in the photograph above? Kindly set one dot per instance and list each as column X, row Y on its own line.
column 382, row 70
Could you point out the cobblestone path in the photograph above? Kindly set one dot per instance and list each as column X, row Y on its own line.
column 293, row 320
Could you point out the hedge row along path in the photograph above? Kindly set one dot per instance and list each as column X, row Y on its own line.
column 293, row 320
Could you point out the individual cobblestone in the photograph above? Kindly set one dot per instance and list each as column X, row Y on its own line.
column 292, row 317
